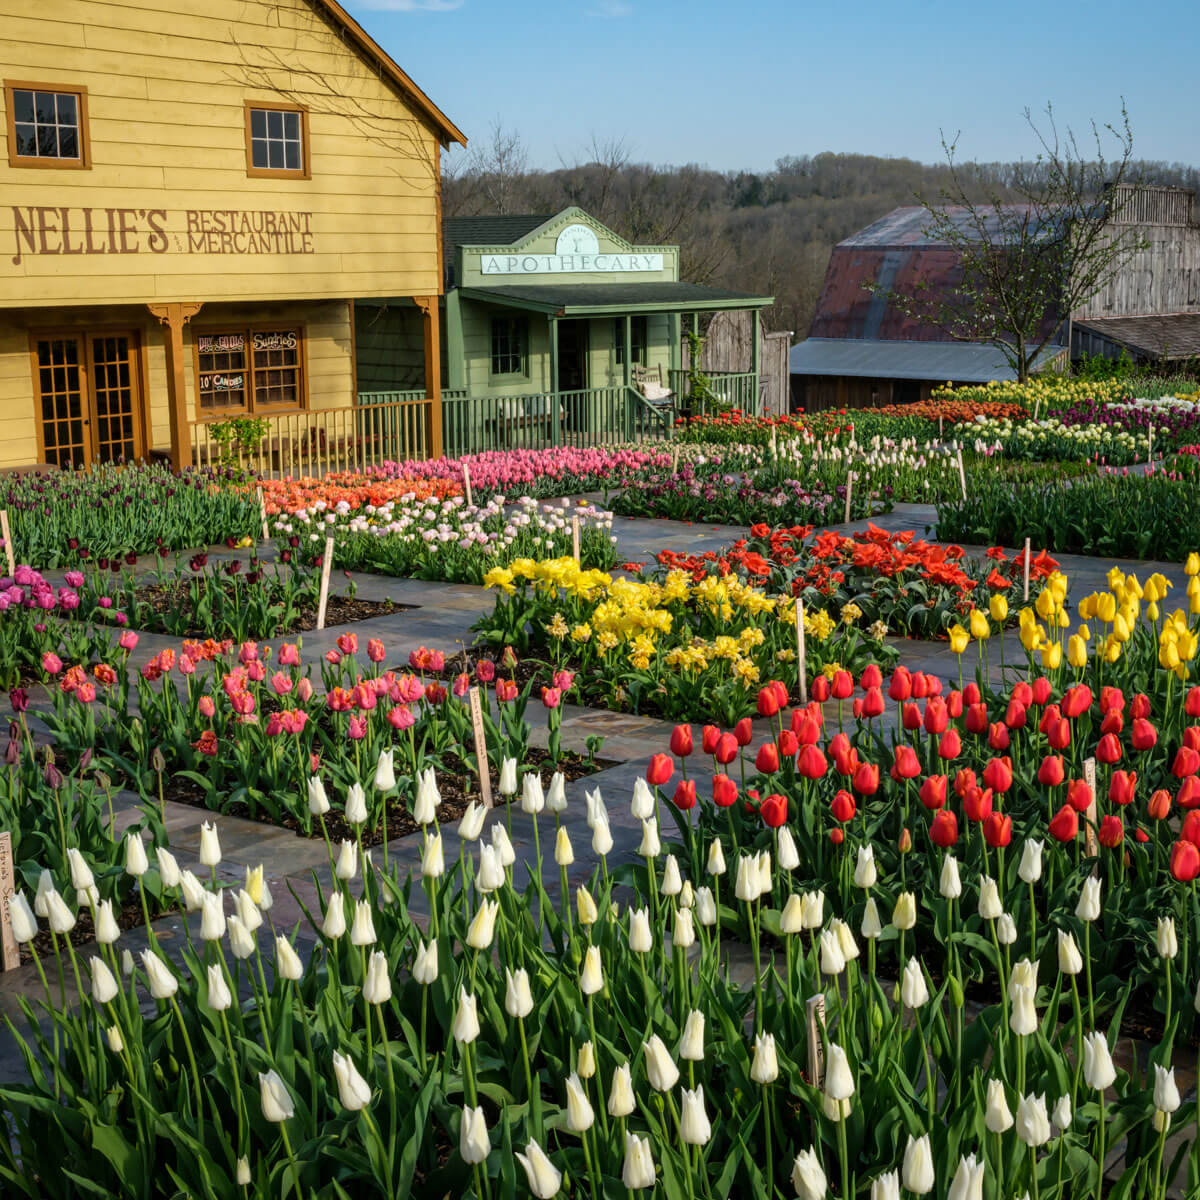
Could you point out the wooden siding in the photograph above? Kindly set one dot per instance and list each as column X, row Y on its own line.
column 167, row 87
column 1162, row 278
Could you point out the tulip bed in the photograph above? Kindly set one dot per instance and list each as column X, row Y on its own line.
column 65, row 518
column 672, row 645
column 445, row 539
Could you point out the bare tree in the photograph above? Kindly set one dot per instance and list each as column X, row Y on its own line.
column 1031, row 258
column 498, row 167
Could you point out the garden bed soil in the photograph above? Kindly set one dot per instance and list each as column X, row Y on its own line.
column 339, row 610
column 455, row 782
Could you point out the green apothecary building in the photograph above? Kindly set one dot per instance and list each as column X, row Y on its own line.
column 554, row 331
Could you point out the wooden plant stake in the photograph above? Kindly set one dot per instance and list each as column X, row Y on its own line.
column 481, row 757
column 674, row 460
column 11, row 951
column 962, row 475
column 774, row 446
column 1091, row 845
column 940, row 430
column 575, row 541
column 801, row 656
column 815, row 1008
column 849, row 493
column 1149, row 449
column 8, row 546
column 326, row 566
column 262, row 510
column 467, row 485
column 1026, row 568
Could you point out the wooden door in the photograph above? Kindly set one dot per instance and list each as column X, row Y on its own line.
column 88, row 397
column 572, row 356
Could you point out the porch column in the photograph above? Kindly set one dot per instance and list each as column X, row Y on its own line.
column 175, row 316
column 755, row 334
column 433, row 370
column 628, row 350
column 552, row 401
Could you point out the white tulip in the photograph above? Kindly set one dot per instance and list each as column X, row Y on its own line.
column 1088, row 908
column 356, row 805
column 518, row 1000
column 637, row 1171
column 564, row 855
column 585, row 907
column 318, row 801
column 591, row 978
column 762, row 863
column 872, row 926
column 334, row 924
column 886, row 1187
column 59, row 916
column 502, row 846
column 44, row 888
column 917, row 1171
column 362, row 932
column 219, row 995
column 764, row 1066
column 556, row 795
column 990, row 905
column 691, row 1045
column 997, row 1115
column 136, row 862
column 1006, row 930
column 808, row 1176
column 193, row 891
column 746, row 887
column 377, row 986
column 482, row 929
column 695, row 1127
column 385, row 773
column 620, row 1095
column 23, row 922
column 241, row 939
column 650, row 846
column 508, row 777
column 716, row 858
column 1022, row 1018
column 967, row 1183
column 1166, row 1093
column 832, row 960
column 1030, row 869
column 276, row 1100
column 865, row 872
column 580, row 1117
column 107, row 929
column 602, row 840
column 1033, row 1122
column 786, row 853
column 433, row 861
column 168, row 867
column 660, row 1069
column 706, row 907
column 642, row 804
column 904, row 915
column 470, row 826
column 353, row 1090
column 210, row 845
column 161, row 981
column 425, row 965
column 347, row 861
column 596, row 812
column 287, row 961
column 914, row 992
column 839, row 1081
column 672, row 881
column 1062, row 1114
column 950, row 883
column 82, row 879
column 1070, row 961
column 104, row 984
column 112, row 1035
column 1165, row 941
column 1098, row 1069
column 465, row 1028
column 543, row 1176
column 533, row 799
column 212, row 917
column 473, row 1142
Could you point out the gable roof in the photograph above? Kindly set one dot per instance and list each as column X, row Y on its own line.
column 956, row 362
column 359, row 38
column 490, row 230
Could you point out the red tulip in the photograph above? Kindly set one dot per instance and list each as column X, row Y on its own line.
column 842, row 685
column 1051, row 773
column 866, row 779
column 806, row 728
column 998, row 736
column 1111, row 833
column 997, row 774
column 1186, row 763
column 856, row 707
column 681, row 741
column 997, row 829
column 709, row 738
column 1064, row 826
column 954, row 705
column 837, row 835
column 873, row 703
column 1191, row 705
column 1111, row 699
column 971, row 693
column 950, row 747
column 933, row 685
column 937, row 717
column 872, row 677
column 1108, row 750
column 839, row 745
column 1185, row 861
column 1191, row 738
column 933, row 791
column 1076, row 700
column 906, row 764
column 781, row 692
column 1022, row 694
column 1113, row 721
column 1122, row 787
column 843, row 806
column 964, row 781
column 820, row 689
column 660, row 770
column 1059, row 736
column 1143, row 735
column 1042, row 691
column 812, row 763
column 1188, row 795
column 727, row 749
column 768, row 702
column 685, row 794
column 1160, row 805
column 724, row 791
column 977, row 804
column 774, row 810
column 1016, row 715
column 944, row 829
column 743, row 732
column 976, row 719
column 767, row 759
column 1050, row 717
column 920, row 685
column 904, row 842
column 910, row 717
column 1079, row 795
column 900, row 687
column 1191, row 828
column 788, row 744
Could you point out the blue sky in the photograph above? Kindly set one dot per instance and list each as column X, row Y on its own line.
column 738, row 85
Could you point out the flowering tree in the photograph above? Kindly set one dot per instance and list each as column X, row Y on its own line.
column 1027, row 265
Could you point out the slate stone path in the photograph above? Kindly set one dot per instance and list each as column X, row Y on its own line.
column 441, row 617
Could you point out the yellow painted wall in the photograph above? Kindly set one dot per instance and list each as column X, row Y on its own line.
column 328, row 360
column 166, row 86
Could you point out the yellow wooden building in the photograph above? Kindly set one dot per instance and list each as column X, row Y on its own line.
column 191, row 199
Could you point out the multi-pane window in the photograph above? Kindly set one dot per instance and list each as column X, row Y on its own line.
column 277, row 141
column 47, row 126
column 510, row 342
column 248, row 370
column 637, row 339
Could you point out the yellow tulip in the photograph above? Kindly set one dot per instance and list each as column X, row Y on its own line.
column 1168, row 655
column 1077, row 651
column 998, row 607
column 1045, row 604
column 1051, row 656
column 1032, row 636
column 1133, row 588
column 1152, row 611
column 1086, row 608
column 980, row 629
column 1106, row 606
column 1120, row 628
column 1112, row 649
column 1191, row 568
column 1116, row 577
column 959, row 638
column 1084, row 632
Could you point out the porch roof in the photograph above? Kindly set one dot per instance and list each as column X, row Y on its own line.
column 614, row 299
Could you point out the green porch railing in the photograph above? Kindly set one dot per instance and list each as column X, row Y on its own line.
column 732, row 389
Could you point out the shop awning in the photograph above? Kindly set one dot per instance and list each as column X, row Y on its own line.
column 614, row 299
